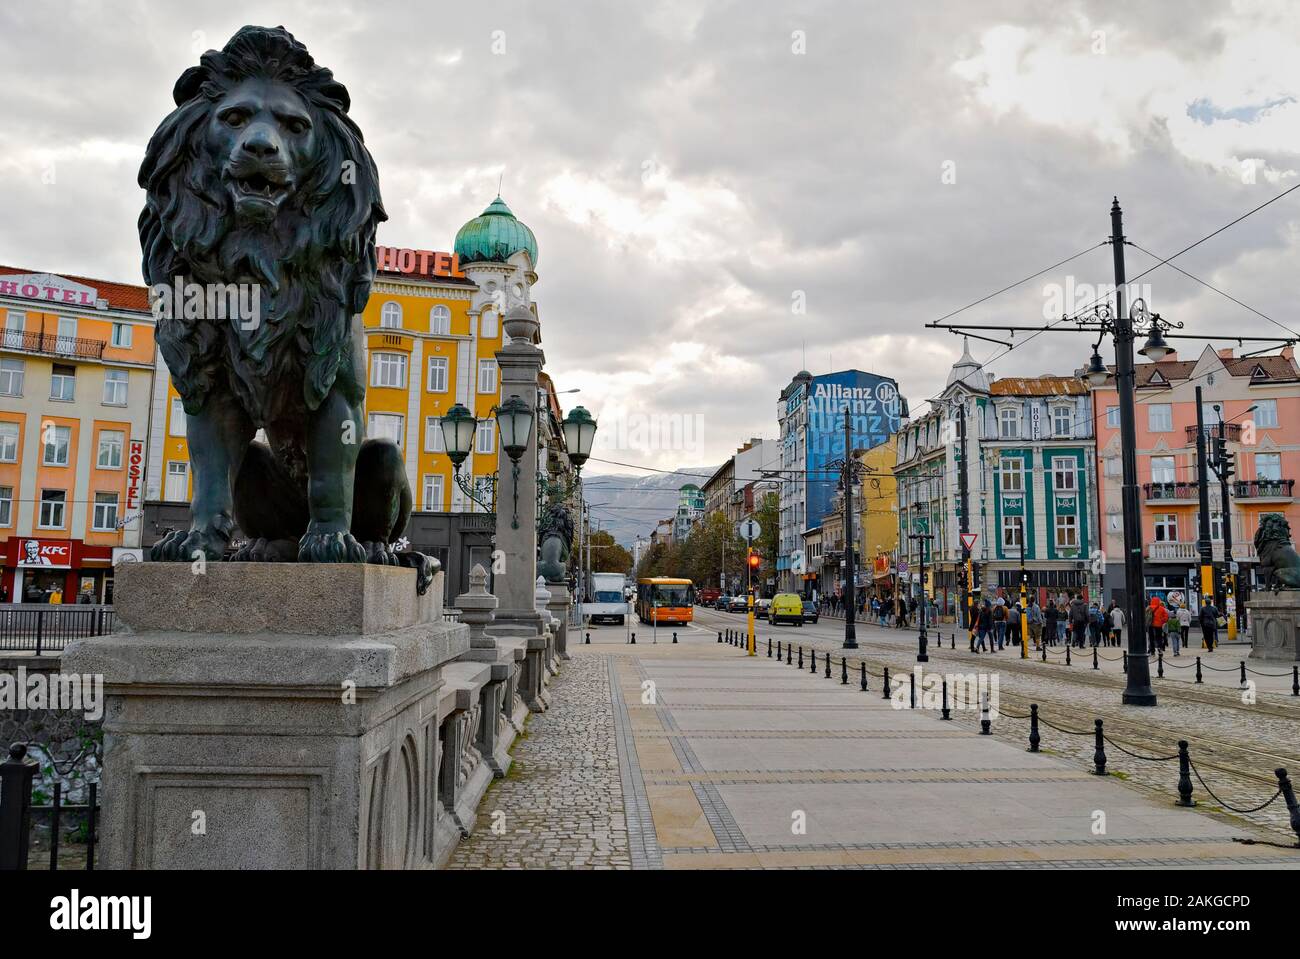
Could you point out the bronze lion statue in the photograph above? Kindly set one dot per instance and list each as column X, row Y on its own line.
column 1277, row 557
column 259, row 178
column 555, row 535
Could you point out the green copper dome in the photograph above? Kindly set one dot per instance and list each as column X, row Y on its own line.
column 494, row 237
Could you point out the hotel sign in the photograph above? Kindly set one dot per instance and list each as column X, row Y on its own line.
column 393, row 259
column 47, row 286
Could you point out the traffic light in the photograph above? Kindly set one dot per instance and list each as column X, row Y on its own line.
column 1227, row 461
column 754, row 559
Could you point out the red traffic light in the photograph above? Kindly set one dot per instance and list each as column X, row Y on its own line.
column 755, row 560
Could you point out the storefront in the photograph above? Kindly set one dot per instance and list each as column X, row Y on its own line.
column 41, row 570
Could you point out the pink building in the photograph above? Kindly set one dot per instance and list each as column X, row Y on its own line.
column 1266, row 443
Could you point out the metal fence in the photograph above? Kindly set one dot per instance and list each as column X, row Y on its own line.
column 17, row 776
column 40, row 627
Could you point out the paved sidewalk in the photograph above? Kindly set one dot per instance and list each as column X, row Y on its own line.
column 726, row 761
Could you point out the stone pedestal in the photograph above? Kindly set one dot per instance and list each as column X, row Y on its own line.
column 559, row 608
column 1274, row 625
column 280, row 716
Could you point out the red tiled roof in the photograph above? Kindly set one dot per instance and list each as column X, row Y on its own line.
column 120, row 296
column 1038, row 386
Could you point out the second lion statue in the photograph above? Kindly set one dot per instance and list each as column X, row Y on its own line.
column 259, row 178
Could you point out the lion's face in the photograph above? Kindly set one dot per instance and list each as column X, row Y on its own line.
column 262, row 137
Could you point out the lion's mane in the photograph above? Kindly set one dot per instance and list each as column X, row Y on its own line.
column 315, row 262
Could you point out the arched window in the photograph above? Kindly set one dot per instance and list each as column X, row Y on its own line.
column 391, row 315
column 440, row 320
column 489, row 324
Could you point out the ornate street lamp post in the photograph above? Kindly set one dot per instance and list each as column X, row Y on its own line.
column 579, row 429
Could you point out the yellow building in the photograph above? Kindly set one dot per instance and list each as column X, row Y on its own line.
column 432, row 327
column 76, row 376
column 879, row 516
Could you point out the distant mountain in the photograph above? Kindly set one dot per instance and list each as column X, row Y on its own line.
column 627, row 506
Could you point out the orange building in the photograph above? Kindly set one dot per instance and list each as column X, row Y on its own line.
column 76, row 376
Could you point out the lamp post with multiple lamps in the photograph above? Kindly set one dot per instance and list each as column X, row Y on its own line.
column 922, row 641
column 579, row 430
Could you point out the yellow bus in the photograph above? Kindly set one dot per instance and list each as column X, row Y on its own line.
column 664, row 600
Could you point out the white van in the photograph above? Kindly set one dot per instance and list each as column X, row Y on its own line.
column 606, row 604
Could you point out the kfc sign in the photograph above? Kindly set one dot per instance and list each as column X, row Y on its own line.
column 391, row 259
column 134, row 474
column 45, row 553
column 47, row 286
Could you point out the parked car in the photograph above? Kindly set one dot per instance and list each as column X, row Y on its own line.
column 809, row 611
column 723, row 602
column 761, row 607
column 738, row 604
column 786, row 608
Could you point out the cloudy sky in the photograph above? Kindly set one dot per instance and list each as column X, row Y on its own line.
column 698, row 172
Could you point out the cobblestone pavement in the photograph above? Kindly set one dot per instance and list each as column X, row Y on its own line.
column 1235, row 746
column 563, row 799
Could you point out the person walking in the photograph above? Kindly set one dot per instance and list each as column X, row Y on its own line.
column 1184, row 616
column 1157, row 616
column 1013, row 625
column 1210, row 625
column 1035, row 615
column 1094, row 623
column 999, row 625
column 985, row 630
column 901, row 619
column 1116, row 623
column 1078, row 620
column 1050, row 619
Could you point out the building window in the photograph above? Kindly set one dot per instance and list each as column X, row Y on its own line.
column 115, row 383
column 437, row 374
column 52, row 504
column 14, row 324
column 1013, row 532
column 1265, row 415
column 489, row 325
column 122, row 335
column 67, row 336
column 440, row 321
column 1067, row 532
column 1114, row 466
column 1112, row 417
column 390, row 316
column 176, row 487
column 1268, row 466
column 1063, row 470
column 386, row 426
column 1062, row 421
column 8, row 442
column 1013, row 475
column 6, row 505
column 388, row 369
column 110, row 450
column 433, row 435
column 176, row 423
column 1162, row 469
column 58, row 440
column 1160, row 418
column 433, row 493
column 1166, row 527
column 105, row 512
column 1216, row 524
column 485, row 436
column 1009, row 423
column 487, row 376
column 63, row 383
column 11, row 377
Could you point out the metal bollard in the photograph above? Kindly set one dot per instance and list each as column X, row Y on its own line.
column 1044, row 648
column 844, row 670
column 1126, row 661
column 634, row 639
column 801, row 657
column 1288, row 794
column 1099, row 756
column 986, row 723
column 945, row 713
column 719, row 636
column 1094, row 658
column 813, row 669
column 1067, row 655
column 1034, row 738
column 1295, row 680
column 864, row 677
column 16, row 775
column 588, row 639
column 788, row 653
column 1243, row 674
column 674, row 637
column 1160, row 664
column 885, row 694
column 954, row 640
column 911, row 695
column 828, row 665
column 1198, row 669
column 769, row 647
column 1184, row 776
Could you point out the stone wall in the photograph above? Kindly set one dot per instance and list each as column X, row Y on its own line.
column 65, row 742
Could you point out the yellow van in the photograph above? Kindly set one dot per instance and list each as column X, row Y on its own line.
column 786, row 608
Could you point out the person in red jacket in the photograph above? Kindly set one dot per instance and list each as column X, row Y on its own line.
column 1157, row 619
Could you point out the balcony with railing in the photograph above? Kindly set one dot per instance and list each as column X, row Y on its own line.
column 1280, row 489
column 1212, row 432
column 1163, row 492
column 1186, row 550
column 51, row 344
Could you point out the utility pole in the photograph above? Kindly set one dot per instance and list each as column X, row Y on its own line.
column 1204, row 544
column 1225, row 466
column 850, row 632
column 1138, row 691
column 963, row 498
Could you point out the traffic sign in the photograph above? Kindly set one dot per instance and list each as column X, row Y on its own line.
column 902, row 566
column 968, row 540
column 749, row 530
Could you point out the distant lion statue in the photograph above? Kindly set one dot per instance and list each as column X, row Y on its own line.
column 555, row 534
column 1277, row 556
column 259, row 179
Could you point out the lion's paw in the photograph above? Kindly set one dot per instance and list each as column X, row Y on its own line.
column 379, row 554
column 262, row 550
column 424, row 566
column 323, row 546
column 185, row 546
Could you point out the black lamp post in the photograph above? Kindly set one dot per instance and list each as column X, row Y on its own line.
column 515, row 424
column 459, row 427
column 579, row 429
column 922, row 640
